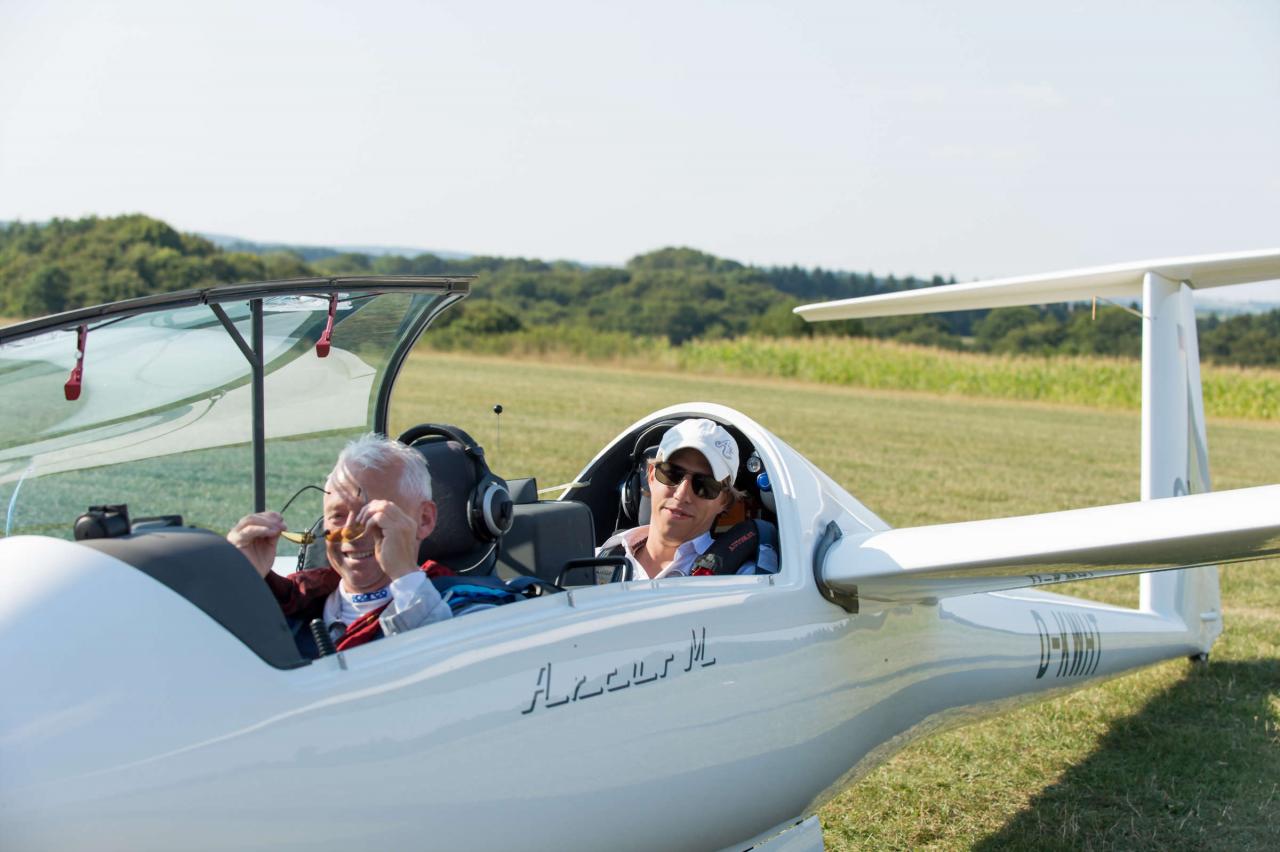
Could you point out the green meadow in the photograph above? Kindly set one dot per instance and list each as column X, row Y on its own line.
column 1173, row 757
column 863, row 362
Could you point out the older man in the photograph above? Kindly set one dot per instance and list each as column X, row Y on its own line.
column 690, row 483
column 377, row 511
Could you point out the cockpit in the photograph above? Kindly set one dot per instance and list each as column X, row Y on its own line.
column 185, row 416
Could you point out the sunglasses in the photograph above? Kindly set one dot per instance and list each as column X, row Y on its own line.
column 345, row 534
column 705, row 485
column 350, row 533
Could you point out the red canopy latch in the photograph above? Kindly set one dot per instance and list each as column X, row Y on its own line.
column 72, row 388
column 326, row 338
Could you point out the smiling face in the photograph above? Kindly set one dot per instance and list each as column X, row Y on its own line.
column 678, row 514
column 350, row 489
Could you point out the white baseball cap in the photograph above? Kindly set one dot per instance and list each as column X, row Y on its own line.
column 716, row 445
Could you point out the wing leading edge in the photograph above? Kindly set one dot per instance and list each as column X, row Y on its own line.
column 921, row 564
column 1112, row 282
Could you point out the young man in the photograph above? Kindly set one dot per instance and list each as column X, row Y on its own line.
column 690, row 482
column 377, row 511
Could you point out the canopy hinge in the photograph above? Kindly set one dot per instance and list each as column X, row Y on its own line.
column 326, row 337
column 71, row 390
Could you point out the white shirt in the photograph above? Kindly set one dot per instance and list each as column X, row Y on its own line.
column 414, row 602
column 633, row 539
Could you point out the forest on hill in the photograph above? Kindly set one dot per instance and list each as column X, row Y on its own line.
column 678, row 293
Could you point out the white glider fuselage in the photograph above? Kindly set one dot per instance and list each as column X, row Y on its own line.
column 685, row 713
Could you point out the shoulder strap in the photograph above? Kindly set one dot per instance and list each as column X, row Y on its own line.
column 364, row 629
column 768, row 534
column 735, row 547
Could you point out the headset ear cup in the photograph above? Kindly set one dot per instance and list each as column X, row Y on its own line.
column 628, row 496
column 496, row 509
column 492, row 509
column 634, row 489
column 504, row 511
column 636, row 486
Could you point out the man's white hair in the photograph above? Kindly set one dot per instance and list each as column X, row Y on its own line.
column 372, row 451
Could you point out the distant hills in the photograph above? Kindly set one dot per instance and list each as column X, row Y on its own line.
column 310, row 252
column 1207, row 303
column 677, row 293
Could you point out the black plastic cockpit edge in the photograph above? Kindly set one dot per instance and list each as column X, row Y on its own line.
column 213, row 576
column 845, row 600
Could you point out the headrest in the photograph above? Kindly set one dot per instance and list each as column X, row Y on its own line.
column 454, row 475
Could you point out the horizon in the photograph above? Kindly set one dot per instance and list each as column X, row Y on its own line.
column 1254, row 297
column 1258, row 297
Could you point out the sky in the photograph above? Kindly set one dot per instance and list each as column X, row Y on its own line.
column 978, row 139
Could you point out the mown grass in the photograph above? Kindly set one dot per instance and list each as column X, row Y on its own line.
column 884, row 365
column 1170, row 757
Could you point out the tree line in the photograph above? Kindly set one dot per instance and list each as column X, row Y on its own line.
column 677, row 293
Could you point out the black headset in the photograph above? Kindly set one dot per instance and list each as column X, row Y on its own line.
column 490, row 509
column 636, row 484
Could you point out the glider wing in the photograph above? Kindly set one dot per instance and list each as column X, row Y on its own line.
column 926, row 563
column 1119, row 281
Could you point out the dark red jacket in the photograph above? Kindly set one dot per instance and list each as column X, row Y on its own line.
column 302, row 594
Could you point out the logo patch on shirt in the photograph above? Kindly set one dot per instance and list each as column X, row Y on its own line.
column 366, row 597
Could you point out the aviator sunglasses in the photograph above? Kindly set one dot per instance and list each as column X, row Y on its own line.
column 705, row 485
column 350, row 533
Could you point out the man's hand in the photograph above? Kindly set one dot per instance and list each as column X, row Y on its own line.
column 395, row 537
column 255, row 536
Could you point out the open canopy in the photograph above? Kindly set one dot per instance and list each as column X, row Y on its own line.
column 93, row 401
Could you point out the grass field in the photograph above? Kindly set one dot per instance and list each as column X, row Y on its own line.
column 1093, row 381
column 1173, row 757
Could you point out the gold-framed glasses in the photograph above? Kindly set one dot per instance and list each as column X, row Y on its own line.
column 346, row 533
column 306, row 537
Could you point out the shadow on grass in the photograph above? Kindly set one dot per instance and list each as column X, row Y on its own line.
column 1197, row 768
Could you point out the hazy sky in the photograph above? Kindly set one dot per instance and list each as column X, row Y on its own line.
column 978, row 139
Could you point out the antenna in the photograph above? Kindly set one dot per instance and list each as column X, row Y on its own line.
column 497, row 439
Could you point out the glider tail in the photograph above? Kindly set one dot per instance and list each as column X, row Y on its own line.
column 1175, row 448
column 1175, row 451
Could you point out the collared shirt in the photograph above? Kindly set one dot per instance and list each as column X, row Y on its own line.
column 635, row 538
column 411, row 601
